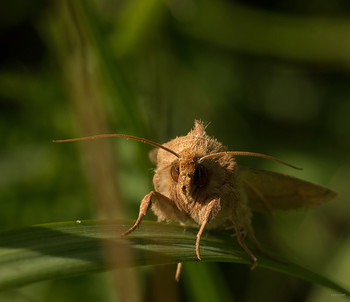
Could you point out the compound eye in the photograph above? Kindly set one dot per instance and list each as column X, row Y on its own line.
column 200, row 176
column 175, row 171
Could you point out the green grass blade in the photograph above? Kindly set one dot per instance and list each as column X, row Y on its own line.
column 65, row 249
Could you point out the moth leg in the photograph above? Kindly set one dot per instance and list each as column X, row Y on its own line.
column 252, row 238
column 212, row 209
column 241, row 242
column 243, row 232
column 178, row 271
column 163, row 207
column 144, row 207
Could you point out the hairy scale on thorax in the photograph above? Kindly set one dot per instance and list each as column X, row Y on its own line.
column 192, row 185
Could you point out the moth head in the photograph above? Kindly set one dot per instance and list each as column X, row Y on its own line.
column 189, row 175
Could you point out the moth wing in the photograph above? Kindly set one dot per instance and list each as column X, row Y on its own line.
column 270, row 191
column 153, row 155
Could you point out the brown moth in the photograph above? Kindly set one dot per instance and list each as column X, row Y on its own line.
column 198, row 182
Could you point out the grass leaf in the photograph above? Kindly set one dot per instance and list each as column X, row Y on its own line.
column 59, row 250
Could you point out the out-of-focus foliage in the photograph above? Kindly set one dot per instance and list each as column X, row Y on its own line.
column 271, row 78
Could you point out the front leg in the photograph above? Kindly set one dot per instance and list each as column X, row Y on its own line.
column 212, row 209
column 164, row 208
column 144, row 207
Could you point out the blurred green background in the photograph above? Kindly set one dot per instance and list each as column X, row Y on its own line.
column 271, row 77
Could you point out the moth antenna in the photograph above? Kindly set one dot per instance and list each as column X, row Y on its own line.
column 244, row 153
column 142, row 140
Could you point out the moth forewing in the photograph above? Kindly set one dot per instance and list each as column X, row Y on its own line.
column 270, row 191
column 152, row 155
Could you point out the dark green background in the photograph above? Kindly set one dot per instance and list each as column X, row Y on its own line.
column 271, row 78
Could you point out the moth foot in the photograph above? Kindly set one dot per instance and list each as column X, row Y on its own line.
column 255, row 262
column 133, row 228
column 198, row 254
column 178, row 272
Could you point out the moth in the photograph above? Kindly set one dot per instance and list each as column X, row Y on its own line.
column 197, row 181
